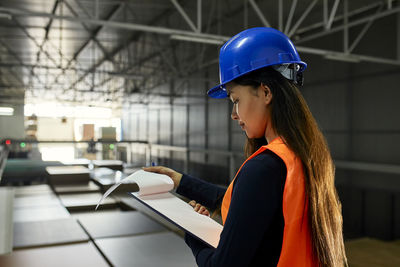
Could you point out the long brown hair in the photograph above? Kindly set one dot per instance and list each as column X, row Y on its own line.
column 292, row 120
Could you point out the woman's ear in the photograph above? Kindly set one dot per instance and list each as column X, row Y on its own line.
column 266, row 93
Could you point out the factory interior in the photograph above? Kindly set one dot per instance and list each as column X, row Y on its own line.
column 91, row 91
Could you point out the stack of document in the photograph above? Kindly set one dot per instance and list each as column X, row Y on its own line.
column 154, row 192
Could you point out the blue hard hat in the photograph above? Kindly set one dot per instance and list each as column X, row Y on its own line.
column 253, row 49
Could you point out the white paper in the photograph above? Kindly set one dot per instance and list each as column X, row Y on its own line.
column 152, row 183
column 182, row 214
column 6, row 219
column 154, row 193
column 148, row 182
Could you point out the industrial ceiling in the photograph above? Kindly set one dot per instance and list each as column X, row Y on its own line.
column 101, row 52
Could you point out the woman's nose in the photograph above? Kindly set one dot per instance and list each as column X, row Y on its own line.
column 234, row 114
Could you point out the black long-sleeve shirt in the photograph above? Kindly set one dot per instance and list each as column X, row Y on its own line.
column 253, row 230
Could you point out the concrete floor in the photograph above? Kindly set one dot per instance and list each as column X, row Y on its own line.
column 367, row 252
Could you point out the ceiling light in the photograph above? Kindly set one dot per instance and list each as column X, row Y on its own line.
column 126, row 76
column 5, row 16
column 196, row 39
column 343, row 57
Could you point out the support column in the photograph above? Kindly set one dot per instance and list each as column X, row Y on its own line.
column 206, row 84
column 158, row 133
column 187, row 159
column 137, row 126
column 147, row 124
column 171, row 128
column 148, row 135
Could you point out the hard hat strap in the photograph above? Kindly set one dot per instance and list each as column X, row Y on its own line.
column 290, row 73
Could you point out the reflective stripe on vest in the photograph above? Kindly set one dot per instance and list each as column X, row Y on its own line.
column 296, row 244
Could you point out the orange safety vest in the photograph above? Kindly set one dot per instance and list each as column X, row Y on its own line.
column 296, row 244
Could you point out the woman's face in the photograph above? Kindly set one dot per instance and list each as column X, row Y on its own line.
column 250, row 108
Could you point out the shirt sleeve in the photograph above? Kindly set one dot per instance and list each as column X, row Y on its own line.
column 256, row 201
column 207, row 194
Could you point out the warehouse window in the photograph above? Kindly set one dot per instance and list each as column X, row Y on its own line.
column 56, row 110
column 57, row 152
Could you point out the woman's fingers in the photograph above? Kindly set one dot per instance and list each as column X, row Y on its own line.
column 157, row 169
column 206, row 212
column 199, row 208
column 175, row 176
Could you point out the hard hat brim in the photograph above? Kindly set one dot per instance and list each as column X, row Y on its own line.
column 218, row 91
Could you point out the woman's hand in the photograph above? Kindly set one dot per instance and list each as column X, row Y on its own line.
column 175, row 176
column 199, row 208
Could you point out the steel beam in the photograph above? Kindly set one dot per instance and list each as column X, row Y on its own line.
column 93, row 35
column 121, row 47
column 13, row 54
column 303, row 49
column 350, row 24
column 199, row 12
column 363, row 31
column 184, row 15
column 112, row 24
column 134, row 37
column 140, row 62
column 162, row 30
column 15, row 75
column 259, row 13
column 389, row 4
column 322, row 24
column 290, row 17
column 325, row 13
column 342, row 56
column 164, row 57
column 47, row 29
column 176, row 75
column 76, row 69
column 332, row 15
column 93, row 38
column 280, row 15
column 346, row 27
column 308, row 50
column 303, row 16
column 35, row 42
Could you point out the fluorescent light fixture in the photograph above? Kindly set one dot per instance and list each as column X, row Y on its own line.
column 196, row 39
column 55, row 110
column 5, row 16
column 6, row 111
column 343, row 57
column 126, row 76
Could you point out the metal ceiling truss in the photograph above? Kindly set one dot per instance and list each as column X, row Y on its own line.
column 119, row 49
column 166, row 56
column 93, row 37
column 19, row 60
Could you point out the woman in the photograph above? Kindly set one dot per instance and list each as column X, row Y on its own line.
column 281, row 209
